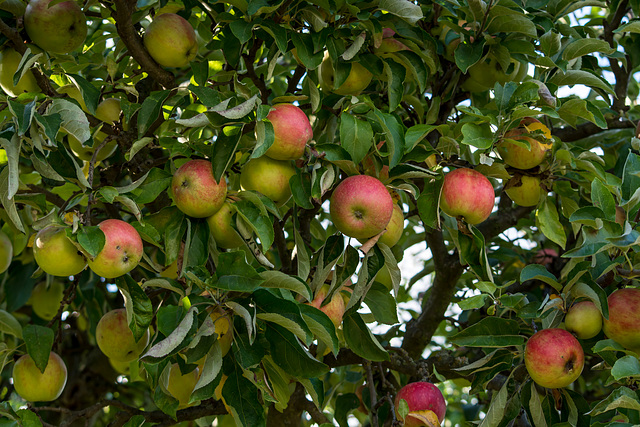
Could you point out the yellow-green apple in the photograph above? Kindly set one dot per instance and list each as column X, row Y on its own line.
column 292, row 131
column 421, row 397
column 109, row 112
column 554, row 358
column 223, row 327
column 6, row 252
column 357, row 80
column 222, row 229
column 361, row 206
column 467, row 193
column 395, row 227
column 116, row 340
column 75, row 94
column 269, row 177
column 623, row 324
column 45, row 302
column 122, row 249
column 527, row 192
column 36, row 386
column 584, row 320
column 171, row 40
column 334, row 309
column 9, row 61
column 518, row 156
column 56, row 254
column 195, row 190
column 181, row 385
column 60, row 28
column 484, row 74
column 389, row 44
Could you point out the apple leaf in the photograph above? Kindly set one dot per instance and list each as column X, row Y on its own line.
column 9, row 324
column 539, row 272
column 490, row 332
column 260, row 223
column 138, row 305
column 622, row 397
column 395, row 74
column 477, row 135
column 211, row 367
column 279, row 381
column 535, row 407
column 626, row 367
column 241, row 397
column 345, row 403
column 165, row 402
column 360, row 339
column 150, row 111
column 12, row 148
column 235, row 274
column 356, row 136
column 582, row 47
column 289, row 355
column 382, row 304
column 29, row 418
column 91, row 239
column 23, row 114
column 548, row 222
column 321, row 326
column 175, row 338
column 280, row 280
column 404, row 9
column 90, row 94
column 603, row 199
column 39, row 341
column 74, row 120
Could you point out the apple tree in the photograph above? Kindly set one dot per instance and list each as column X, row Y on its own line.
column 328, row 212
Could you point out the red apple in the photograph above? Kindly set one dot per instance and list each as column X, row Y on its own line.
column 583, row 319
column 545, row 257
column 122, row 249
column 334, row 309
column 389, row 44
column 292, row 132
column 623, row 325
column 195, row 190
column 468, row 194
column 554, row 358
column 361, row 206
column 421, row 396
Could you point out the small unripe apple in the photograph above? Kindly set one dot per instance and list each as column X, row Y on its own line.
column 195, row 190
column 361, row 206
column 35, row 386
column 527, row 192
column 116, row 340
column 122, row 249
column 583, row 319
column 222, row 230
column 623, row 324
column 467, row 193
column 334, row 309
column 9, row 61
column 421, row 396
column 292, row 131
column 554, row 358
column 269, row 177
column 171, row 40
column 357, row 80
column 56, row 254
column 60, row 28
column 45, row 302
column 181, row 385
column 6, row 252
column 395, row 227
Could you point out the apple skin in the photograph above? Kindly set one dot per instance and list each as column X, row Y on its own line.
column 357, row 80
column 56, row 254
column 545, row 257
column 195, row 190
column 115, row 339
column 528, row 193
column 9, row 61
column 421, row 396
column 292, row 131
column 395, row 227
column 86, row 153
column 554, row 358
column 181, row 386
column 361, row 206
column 389, row 44
column 224, row 329
column 517, row 156
column 623, row 325
column 269, row 177
column 222, row 230
column 46, row 302
column 6, row 252
column 122, row 249
column 487, row 72
column 334, row 309
column 61, row 28
column 467, row 193
column 584, row 320
column 35, row 386
column 171, row 40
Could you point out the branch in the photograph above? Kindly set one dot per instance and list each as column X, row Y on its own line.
column 249, row 58
column 569, row 134
column 621, row 73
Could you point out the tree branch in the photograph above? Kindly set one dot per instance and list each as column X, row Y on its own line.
column 569, row 134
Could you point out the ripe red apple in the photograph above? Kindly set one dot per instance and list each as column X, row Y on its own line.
column 56, row 254
column 395, row 227
column 122, row 249
column 60, row 28
column 269, row 177
column 527, row 192
column 116, row 340
column 623, row 325
column 334, row 309
column 468, row 194
column 171, row 40
column 292, row 131
column 421, row 396
column 195, row 190
column 554, row 358
column 361, row 206
column 35, row 386
column 545, row 257
column 222, row 230
column 583, row 319
column 6, row 252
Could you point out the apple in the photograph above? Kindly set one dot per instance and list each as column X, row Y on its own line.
column 357, row 80
column 623, row 324
column 224, row 329
column 484, row 74
column 122, row 249
column 220, row 225
column 171, row 40
column 292, row 131
column 467, row 193
column 421, row 396
column 584, row 320
column 395, row 227
column 86, row 153
column 361, row 206
column 45, row 302
column 527, row 193
column 518, row 156
column 56, row 254
column 36, row 386
column 545, row 257
column 554, row 358
column 195, row 190
column 9, row 61
column 61, row 28
column 269, row 177
column 181, row 385
column 334, row 309
column 6, row 252
column 389, row 44
column 116, row 340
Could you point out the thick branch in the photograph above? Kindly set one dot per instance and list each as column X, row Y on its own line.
column 569, row 134
column 621, row 73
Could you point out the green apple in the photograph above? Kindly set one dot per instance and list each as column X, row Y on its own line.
column 122, row 249
column 223, row 327
column 467, row 193
column 116, row 340
column 45, row 302
column 9, row 61
column 554, row 358
column 61, row 28
column 35, row 386
column 56, row 254
column 583, row 319
column 6, row 252
column 171, row 40
column 181, row 385
column 220, row 225
column 86, row 153
column 527, row 192
column 484, row 74
column 75, row 94
column 195, row 190
column 292, row 131
column 395, row 227
column 358, row 79
column 269, row 177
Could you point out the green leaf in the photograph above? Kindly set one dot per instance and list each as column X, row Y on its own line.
column 382, row 304
column 404, row 9
column 539, row 272
column 575, row 77
column 74, row 120
column 429, row 204
column 582, row 47
column 28, row 418
column 241, row 396
column 468, row 54
column 247, row 354
column 91, row 239
column 280, row 280
column 23, row 115
column 356, row 136
column 235, row 274
column 535, row 407
column 90, row 94
column 490, row 332
column 548, row 222
column 360, row 339
column 479, row 136
column 345, row 403
column 396, row 74
column 626, row 367
column 39, row 341
column 394, row 133
column 289, row 355
column 12, row 149
column 496, row 408
column 603, row 199
column 242, row 30
column 260, row 223
column 9, row 324
column 175, row 338
column 138, row 305
column 513, row 23
column 150, row 111
column 621, row 397
column 321, row 326
column 474, row 302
